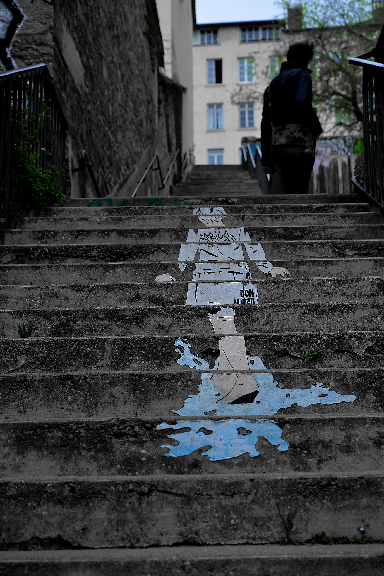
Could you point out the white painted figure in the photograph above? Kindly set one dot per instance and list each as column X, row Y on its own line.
column 235, row 385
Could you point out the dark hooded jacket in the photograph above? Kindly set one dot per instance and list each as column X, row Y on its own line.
column 291, row 98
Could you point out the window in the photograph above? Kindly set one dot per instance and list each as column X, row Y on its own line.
column 254, row 34
column 246, row 70
column 214, row 72
column 269, row 33
column 207, row 37
column 247, row 118
column 274, row 66
column 249, row 34
column 215, row 116
column 215, row 157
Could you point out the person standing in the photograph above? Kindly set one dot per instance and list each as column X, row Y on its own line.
column 290, row 126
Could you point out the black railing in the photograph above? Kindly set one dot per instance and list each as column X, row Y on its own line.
column 27, row 96
column 251, row 160
column 155, row 166
column 373, row 99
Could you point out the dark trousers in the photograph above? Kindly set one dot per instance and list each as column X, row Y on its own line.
column 295, row 173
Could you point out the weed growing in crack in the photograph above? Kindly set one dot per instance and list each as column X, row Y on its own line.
column 25, row 331
column 288, row 523
column 331, row 540
column 315, row 354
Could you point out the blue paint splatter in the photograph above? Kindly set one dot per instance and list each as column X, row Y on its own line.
column 270, row 399
column 228, row 438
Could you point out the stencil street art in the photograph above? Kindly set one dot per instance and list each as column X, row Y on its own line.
column 237, row 385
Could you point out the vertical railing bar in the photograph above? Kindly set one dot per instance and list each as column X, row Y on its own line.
column 369, row 129
column 366, row 131
column 23, row 95
column 46, row 111
column 372, row 171
column 379, row 120
column 12, row 136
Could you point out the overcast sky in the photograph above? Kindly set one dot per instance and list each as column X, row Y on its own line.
column 236, row 10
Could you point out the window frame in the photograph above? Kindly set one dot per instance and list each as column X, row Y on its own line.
column 213, row 111
column 248, row 110
column 213, row 73
column 216, row 153
column 259, row 33
column 209, row 33
column 247, row 72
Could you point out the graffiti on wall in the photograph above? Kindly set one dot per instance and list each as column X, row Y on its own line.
column 330, row 146
column 11, row 19
column 238, row 385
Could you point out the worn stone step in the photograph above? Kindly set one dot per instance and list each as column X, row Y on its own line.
column 324, row 444
column 143, row 272
column 134, row 294
column 175, row 221
column 174, row 320
column 240, row 560
column 214, row 200
column 179, row 235
column 157, row 393
column 168, row 251
column 234, row 182
column 139, row 511
column 63, row 216
column 226, row 189
column 347, row 349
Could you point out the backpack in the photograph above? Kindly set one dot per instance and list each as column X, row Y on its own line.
column 292, row 140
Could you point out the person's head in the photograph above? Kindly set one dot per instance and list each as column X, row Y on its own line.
column 300, row 53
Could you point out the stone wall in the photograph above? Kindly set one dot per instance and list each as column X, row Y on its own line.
column 34, row 42
column 107, row 56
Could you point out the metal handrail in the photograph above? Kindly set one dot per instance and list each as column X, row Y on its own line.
column 158, row 168
column 22, row 70
column 255, row 167
column 187, row 159
column 251, row 156
column 373, row 100
column 359, row 61
column 145, row 175
column 29, row 92
column 85, row 164
column 171, row 166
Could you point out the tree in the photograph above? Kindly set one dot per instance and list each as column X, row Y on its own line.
column 339, row 29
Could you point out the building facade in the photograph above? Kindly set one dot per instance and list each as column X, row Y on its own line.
column 177, row 19
column 233, row 64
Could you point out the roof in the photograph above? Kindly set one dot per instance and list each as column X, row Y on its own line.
column 245, row 23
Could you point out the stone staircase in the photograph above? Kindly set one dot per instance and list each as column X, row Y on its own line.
column 201, row 393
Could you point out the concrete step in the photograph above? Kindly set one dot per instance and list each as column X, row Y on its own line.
column 283, row 444
column 290, row 350
column 91, row 296
column 84, row 214
column 225, row 189
column 48, row 273
column 157, row 393
column 199, row 509
column 140, row 235
column 94, row 221
column 240, row 560
column 169, row 251
column 212, row 200
column 88, row 402
column 178, row 319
